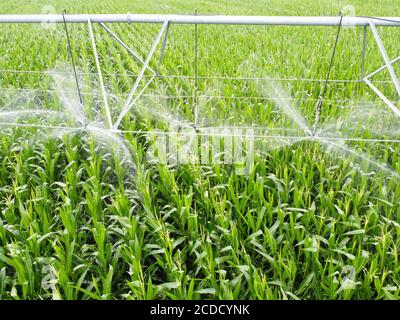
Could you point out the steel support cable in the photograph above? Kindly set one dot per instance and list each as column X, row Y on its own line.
column 72, row 58
column 318, row 105
column 380, row 19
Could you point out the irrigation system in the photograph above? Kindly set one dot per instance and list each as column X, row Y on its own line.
column 368, row 23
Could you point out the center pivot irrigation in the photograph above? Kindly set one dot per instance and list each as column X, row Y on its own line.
column 137, row 91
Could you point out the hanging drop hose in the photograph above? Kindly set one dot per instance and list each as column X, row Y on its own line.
column 196, row 71
column 318, row 105
column 72, row 58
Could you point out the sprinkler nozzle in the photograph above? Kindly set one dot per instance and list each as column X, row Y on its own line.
column 318, row 109
column 313, row 129
column 195, row 128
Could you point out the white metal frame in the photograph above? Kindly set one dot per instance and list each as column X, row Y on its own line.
column 199, row 19
column 389, row 66
column 166, row 20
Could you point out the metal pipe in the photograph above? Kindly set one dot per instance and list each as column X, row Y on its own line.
column 198, row 19
column 100, row 75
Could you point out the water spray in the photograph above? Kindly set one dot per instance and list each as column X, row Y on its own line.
column 113, row 135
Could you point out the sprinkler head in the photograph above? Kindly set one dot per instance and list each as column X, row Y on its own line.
column 313, row 130
column 196, row 129
column 114, row 130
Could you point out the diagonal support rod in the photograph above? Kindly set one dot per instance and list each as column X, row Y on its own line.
column 383, row 97
column 128, row 103
column 122, row 43
column 164, row 45
column 103, row 89
column 364, row 49
column 385, row 57
column 381, row 68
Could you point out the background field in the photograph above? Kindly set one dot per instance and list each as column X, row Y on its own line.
column 78, row 223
